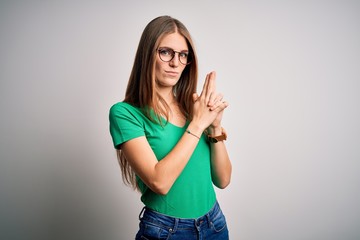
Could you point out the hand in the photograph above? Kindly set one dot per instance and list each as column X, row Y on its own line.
column 216, row 101
column 209, row 106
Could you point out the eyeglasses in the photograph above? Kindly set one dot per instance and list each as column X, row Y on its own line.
column 168, row 54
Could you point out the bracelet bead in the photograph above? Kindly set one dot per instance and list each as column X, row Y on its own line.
column 188, row 131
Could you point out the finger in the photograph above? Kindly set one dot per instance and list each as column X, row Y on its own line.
column 195, row 96
column 205, row 86
column 219, row 106
column 209, row 97
column 218, row 98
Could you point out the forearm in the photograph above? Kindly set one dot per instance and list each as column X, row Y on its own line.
column 170, row 167
column 221, row 167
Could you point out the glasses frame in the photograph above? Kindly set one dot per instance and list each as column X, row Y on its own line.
column 173, row 55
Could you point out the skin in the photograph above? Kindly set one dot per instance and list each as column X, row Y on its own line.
column 159, row 176
column 167, row 74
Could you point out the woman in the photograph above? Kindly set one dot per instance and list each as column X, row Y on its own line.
column 169, row 140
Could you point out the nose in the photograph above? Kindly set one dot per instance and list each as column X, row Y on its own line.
column 175, row 61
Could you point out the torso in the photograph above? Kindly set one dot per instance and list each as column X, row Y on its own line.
column 192, row 194
column 176, row 117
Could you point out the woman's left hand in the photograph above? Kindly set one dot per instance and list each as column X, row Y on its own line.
column 215, row 101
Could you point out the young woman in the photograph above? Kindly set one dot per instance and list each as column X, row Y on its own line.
column 169, row 139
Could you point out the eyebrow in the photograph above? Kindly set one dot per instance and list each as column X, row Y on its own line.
column 185, row 50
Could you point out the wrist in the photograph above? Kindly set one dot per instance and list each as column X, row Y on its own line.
column 195, row 128
column 216, row 137
column 214, row 131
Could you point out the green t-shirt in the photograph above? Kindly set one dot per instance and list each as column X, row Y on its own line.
column 192, row 194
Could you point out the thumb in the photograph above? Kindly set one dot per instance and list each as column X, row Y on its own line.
column 195, row 96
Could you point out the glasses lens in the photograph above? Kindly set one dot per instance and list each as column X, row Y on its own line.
column 166, row 54
column 183, row 58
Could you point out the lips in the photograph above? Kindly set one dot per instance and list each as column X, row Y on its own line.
column 171, row 73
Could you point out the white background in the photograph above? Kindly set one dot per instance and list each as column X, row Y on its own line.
column 289, row 69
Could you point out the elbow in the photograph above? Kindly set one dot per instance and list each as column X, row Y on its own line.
column 159, row 188
column 223, row 183
column 158, row 183
column 223, row 179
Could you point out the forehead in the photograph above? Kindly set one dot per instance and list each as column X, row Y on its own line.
column 174, row 41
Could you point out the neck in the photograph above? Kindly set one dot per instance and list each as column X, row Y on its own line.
column 168, row 96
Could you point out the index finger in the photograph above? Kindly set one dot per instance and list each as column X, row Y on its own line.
column 211, row 86
column 212, row 77
column 205, row 86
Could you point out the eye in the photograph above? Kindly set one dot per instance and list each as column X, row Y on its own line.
column 183, row 55
column 165, row 52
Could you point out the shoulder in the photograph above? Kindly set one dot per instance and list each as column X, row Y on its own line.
column 122, row 105
column 123, row 108
column 126, row 122
column 123, row 111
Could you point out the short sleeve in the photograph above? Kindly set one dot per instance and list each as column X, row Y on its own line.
column 125, row 122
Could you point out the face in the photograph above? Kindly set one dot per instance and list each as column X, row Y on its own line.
column 168, row 73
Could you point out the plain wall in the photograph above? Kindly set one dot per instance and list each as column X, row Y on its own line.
column 289, row 69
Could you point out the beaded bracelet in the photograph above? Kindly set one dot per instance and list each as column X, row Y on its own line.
column 188, row 131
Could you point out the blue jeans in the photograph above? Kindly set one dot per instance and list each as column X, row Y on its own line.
column 156, row 226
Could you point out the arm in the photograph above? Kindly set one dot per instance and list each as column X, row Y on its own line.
column 221, row 167
column 159, row 176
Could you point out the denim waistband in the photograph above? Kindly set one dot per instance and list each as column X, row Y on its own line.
column 174, row 223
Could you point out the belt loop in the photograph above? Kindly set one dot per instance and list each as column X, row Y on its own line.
column 211, row 213
column 175, row 227
column 142, row 211
column 196, row 225
column 209, row 219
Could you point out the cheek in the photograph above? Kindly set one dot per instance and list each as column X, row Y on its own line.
column 158, row 66
column 183, row 67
